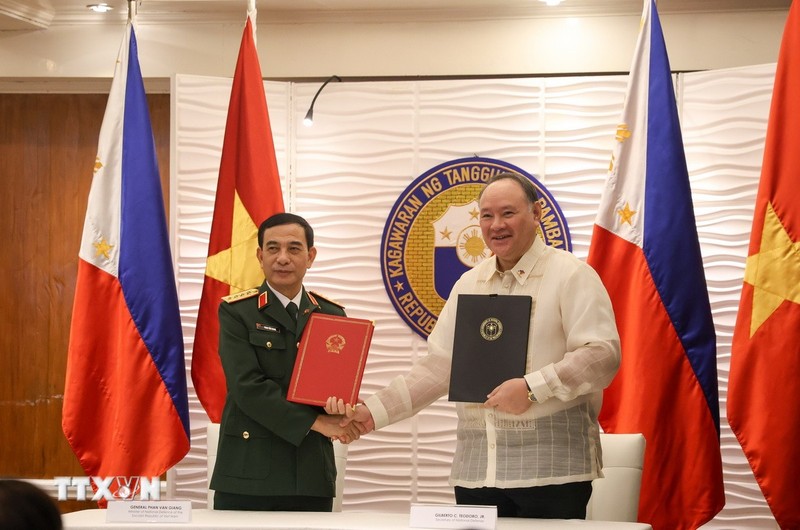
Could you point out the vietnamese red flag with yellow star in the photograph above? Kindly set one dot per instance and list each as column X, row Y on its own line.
column 248, row 191
column 764, row 388
column 646, row 250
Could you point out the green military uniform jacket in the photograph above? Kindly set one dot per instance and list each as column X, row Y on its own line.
column 266, row 446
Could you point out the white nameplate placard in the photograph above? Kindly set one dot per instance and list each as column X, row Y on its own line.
column 149, row 512
column 461, row 516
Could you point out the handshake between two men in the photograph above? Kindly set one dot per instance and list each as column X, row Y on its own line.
column 354, row 420
column 345, row 423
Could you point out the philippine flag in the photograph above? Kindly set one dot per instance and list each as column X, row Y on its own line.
column 646, row 250
column 125, row 408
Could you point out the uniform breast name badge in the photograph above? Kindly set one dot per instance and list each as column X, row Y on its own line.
column 149, row 512
column 460, row 516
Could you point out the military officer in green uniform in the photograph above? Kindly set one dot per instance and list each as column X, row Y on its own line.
column 273, row 454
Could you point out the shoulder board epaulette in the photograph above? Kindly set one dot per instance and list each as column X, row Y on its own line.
column 313, row 296
column 243, row 295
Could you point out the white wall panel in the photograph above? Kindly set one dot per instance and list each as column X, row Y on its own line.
column 199, row 111
column 724, row 122
column 581, row 118
column 372, row 139
column 350, row 167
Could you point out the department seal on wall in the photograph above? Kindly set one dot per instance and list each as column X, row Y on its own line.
column 432, row 235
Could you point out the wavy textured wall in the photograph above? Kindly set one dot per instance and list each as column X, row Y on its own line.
column 371, row 139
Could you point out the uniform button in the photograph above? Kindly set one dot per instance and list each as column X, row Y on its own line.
column 269, row 345
column 491, row 446
column 245, row 435
column 298, row 346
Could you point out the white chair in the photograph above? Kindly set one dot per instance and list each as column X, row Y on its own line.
column 340, row 456
column 616, row 497
column 339, row 453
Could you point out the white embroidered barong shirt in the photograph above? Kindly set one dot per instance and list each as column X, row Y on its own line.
column 573, row 354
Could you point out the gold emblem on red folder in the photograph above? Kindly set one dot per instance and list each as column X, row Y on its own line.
column 324, row 367
column 335, row 344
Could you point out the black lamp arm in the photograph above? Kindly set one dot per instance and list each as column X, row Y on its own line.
column 311, row 107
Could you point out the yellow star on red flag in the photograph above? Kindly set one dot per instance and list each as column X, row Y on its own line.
column 237, row 266
column 774, row 271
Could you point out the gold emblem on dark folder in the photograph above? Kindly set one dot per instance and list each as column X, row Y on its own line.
column 491, row 329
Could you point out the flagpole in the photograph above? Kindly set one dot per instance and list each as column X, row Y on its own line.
column 252, row 13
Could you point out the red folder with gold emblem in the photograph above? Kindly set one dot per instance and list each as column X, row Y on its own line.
column 330, row 359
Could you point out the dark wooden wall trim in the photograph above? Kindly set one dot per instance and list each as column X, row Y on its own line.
column 48, row 144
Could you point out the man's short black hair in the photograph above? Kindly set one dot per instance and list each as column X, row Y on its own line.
column 286, row 218
column 527, row 185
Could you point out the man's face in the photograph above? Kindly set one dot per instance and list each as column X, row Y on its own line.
column 285, row 258
column 508, row 222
